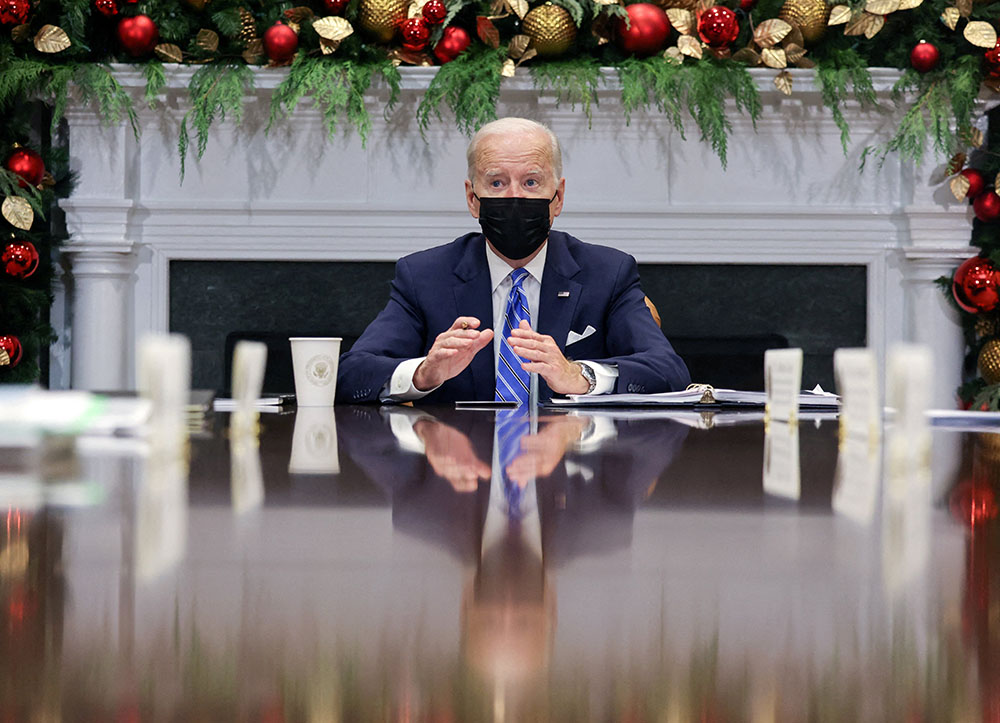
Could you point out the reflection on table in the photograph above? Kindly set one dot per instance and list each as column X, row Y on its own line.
column 370, row 563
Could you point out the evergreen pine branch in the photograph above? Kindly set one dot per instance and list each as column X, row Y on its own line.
column 216, row 90
column 575, row 81
column 575, row 9
column 21, row 78
column 98, row 85
column 156, row 81
column 227, row 21
column 700, row 88
column 841, row 72
column 57, row 88
column 337, row 88
column 470, row 85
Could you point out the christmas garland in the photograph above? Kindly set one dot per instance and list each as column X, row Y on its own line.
column 684, row 59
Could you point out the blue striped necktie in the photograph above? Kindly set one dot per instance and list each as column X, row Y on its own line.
column 513, row 381
column 511, row 426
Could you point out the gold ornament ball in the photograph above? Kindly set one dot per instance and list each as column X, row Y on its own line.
column 989, row 361
column 379, row 18
column 810, row 15
column 551, row 30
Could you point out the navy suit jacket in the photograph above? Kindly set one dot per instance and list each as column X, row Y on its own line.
column 434, row 287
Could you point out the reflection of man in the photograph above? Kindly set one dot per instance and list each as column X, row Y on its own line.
column 471, row 319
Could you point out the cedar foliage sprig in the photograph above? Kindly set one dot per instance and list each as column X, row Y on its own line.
column 216, row 91
column 840, row 75
column 700, row 89
column 337, row 88
column 469, row 85
column 574, row 81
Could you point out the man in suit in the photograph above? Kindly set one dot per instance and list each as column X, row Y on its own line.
column 563, row 316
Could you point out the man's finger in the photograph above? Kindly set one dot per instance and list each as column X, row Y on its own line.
column 466, row 322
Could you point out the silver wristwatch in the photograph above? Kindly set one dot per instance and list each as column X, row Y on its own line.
column 589, row 375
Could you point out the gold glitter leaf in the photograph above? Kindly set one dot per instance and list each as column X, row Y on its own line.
column 51, row 39
column 783, row 82
column 689, row 46
column 875, row 23
column 950, row 17
column 794, row 53
column 771, row 32
column 520, row 7
column 207, row 40
column 682, row 20
column 774, row 58
column 860, row 25
column 528, row 55
column 910, row 4
column 19, row 33
column 964, row 7
column 976, row 138
column 299, row 14
column 169, row 53
column 673, row 55
column 981, row 34
column 839, row 15
column 508, row 70
column 18, row 212
column 956, row 163
column 328, row 47
column 4, row 358
column 959, row 186
column 333, row 28
column 518, row 44
column 882, row 7
column 747, row 56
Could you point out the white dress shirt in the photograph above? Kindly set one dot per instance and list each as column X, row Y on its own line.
column 400, row 386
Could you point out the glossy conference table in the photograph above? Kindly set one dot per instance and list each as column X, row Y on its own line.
column 655, row 571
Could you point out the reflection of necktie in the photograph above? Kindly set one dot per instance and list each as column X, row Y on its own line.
column 512, row 380
column 512, row 425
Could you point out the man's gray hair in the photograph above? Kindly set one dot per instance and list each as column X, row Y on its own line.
column 504, row 126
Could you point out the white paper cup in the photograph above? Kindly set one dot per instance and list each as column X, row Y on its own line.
column 314, row 442
column 314, row 362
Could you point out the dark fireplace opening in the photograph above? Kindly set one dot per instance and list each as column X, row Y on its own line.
column 720, row 318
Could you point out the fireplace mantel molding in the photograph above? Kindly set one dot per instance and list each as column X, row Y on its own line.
column 790, row 195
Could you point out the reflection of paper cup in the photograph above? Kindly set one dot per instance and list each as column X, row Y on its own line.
column 314, row 442
column 314, row 361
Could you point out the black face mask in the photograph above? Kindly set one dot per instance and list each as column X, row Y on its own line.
column 515, row 226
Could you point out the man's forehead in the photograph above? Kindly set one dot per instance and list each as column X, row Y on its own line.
column 495, row 171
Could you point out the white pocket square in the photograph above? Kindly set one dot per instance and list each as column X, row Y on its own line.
column 574, row 337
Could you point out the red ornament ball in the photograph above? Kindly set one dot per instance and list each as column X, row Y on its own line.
column 280, row 43
column 11, row 345
column 647, row 30
column 924, row 57
column 14, row 12
column 747, row 5
column 28, row 165
column 335, row 7
column 20, row 259
column 415, row 34
column 973, row 503
column 977, row 182
column 138, row 35
column 452, row 44
column 107, row 7
column 974, row 285
column 434, row 11
column 987, row 206
column 991, row 61
column 718, row 26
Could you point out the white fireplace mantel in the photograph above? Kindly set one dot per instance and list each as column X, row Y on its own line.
column 789, row 195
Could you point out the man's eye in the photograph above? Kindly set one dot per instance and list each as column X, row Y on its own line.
column 495, row 184
column 531, row 182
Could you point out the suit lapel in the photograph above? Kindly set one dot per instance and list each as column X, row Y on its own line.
column 560, row 295
column 474, row 297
